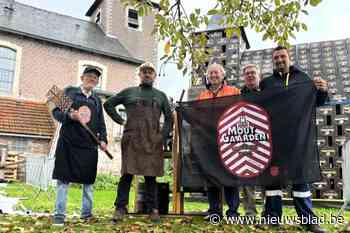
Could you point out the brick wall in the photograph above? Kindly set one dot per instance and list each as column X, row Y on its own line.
column 44, row 64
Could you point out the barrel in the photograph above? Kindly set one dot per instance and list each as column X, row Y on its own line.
column 162, row 196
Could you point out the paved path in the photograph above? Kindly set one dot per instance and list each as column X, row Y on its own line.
column 7, row 204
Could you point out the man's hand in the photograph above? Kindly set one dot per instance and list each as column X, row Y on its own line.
column 74, row 115
column 321, row 84
column 103, row 146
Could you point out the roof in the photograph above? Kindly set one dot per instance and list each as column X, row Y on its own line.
column 98, row 2
column 62, row 30
column 25, row 118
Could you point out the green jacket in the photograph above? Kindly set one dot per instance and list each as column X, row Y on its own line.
column 132, row 95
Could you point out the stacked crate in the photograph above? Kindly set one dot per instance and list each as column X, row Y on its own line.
column 331, row 123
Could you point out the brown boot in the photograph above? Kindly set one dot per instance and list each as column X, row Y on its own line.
column 118, row 215
column 154, row 216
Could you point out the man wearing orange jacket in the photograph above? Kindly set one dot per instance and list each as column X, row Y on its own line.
column 217, row 87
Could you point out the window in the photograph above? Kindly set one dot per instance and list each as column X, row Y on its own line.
column 133, row 19
column 223, row 34
column 119, row 129
column 7, row 70
column 98, row 17
column 223, row 48
column 19, row 145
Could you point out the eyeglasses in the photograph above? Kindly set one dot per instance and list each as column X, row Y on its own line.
column 148, row 71
column 250, row 73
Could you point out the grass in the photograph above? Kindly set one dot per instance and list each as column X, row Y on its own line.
column 103, row 209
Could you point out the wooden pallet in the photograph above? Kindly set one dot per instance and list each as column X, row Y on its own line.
column 11, row 167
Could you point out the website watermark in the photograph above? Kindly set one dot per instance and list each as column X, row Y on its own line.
column 216, row 219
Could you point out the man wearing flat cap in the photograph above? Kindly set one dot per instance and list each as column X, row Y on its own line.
column 77, row 152
column 143, row 138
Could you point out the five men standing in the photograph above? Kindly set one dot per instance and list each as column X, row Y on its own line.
column 144, row 138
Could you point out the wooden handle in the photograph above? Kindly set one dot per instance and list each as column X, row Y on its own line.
column 96, row 139
column 109, row 154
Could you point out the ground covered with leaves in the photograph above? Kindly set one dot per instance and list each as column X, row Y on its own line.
column 133, row 224
column 43, row 202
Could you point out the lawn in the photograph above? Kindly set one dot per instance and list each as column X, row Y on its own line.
column 103, row 210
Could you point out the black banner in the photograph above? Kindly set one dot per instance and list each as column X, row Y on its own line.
column 263, row 138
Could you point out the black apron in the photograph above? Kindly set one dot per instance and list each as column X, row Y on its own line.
column 76, row 153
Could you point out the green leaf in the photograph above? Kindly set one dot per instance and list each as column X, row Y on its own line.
column 265, row 36
column 198, row 11
column 141, row 11
column 304, row 26
column 184, row 71
column 229, row 32
column 305, row 12
column 315, row 2
column 277, row 3
column 212, row 12
column 206, row 20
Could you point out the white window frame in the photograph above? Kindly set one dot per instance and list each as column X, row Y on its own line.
column 102, row 85
column 15, row 88
column 98, row 12
column 117, row 130
column 139, row 18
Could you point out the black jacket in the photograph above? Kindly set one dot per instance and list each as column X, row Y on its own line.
column 246, row 90
column 296, row 77
column 76, row 153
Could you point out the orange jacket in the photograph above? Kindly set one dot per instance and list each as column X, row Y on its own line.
column 225, row 90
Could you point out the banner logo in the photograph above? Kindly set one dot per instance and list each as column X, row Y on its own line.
column 244, row 139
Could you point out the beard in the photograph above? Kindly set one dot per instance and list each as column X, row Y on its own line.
column 282, row 67
column 147, row 82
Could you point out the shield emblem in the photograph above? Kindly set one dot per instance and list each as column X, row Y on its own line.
column 244, row 139
column 85, row 114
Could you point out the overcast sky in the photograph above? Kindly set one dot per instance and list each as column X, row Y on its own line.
column 328, row 21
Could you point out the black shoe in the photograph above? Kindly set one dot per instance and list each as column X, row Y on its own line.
column 58, row 222
column 90, row 219
column 314, row 228
column 119, row 215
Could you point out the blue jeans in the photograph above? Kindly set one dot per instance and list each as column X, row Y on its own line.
column 61, row 200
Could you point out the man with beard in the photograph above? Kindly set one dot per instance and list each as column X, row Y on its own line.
column 217, row 87
column 284, row 75
column 76, row 152
column 143, row 139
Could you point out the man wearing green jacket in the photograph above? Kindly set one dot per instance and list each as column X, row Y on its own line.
column 143, row 138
